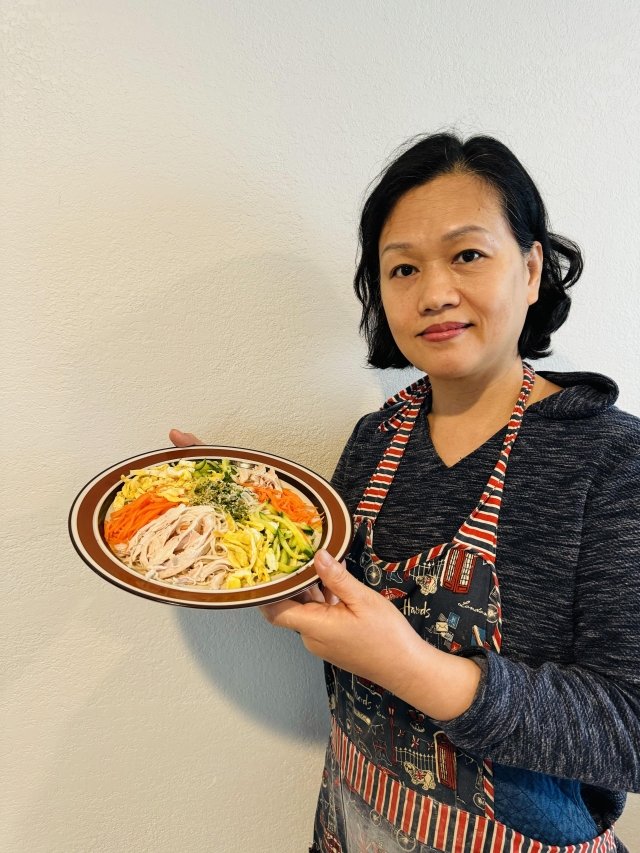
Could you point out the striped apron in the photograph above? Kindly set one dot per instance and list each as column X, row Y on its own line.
column 393, row 781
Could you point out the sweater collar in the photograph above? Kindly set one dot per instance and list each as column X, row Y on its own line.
column 584, row 395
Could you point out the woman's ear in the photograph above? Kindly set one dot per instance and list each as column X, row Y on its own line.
column 533, row 260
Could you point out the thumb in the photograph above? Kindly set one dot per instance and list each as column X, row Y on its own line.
column 336, row 578
column 183, row 439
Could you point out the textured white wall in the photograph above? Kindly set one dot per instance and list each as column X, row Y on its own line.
column 180, row 191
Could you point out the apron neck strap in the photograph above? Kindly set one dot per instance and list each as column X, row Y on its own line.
column 403, row 421
column 418, row 391
column 480, row 531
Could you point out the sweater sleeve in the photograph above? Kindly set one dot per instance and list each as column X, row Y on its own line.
column 580, row 721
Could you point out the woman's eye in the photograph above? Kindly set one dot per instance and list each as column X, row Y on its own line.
column 403, row 271
column 469, row 255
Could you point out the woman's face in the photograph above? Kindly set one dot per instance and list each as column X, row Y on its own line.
column 455, row 286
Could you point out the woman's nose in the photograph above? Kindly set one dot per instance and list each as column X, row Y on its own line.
column 436, row 290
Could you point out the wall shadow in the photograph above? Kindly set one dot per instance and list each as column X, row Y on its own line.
column 265, row 671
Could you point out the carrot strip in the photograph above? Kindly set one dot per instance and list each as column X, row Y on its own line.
column 288, row 502
column 125, row 522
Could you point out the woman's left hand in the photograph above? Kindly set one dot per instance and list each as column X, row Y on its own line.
column 358, row 630
column 352, row 626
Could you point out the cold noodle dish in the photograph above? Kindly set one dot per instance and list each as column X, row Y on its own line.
column 211, row 524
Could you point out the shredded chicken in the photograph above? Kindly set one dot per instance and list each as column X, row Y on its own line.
column 259, row 475
column 179, row 540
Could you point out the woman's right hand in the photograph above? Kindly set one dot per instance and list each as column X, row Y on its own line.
column 183, row 439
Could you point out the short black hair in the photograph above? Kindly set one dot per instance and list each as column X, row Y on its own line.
column 489, row 159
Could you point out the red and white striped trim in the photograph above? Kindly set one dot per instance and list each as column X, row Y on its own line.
column 479, row 532
column 436, row 824
column 489, row 793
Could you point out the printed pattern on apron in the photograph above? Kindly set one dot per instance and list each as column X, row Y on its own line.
column 393, row 781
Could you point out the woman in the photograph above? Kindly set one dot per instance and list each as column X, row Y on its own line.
column 484, row 688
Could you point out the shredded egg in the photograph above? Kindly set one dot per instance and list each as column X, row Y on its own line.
column 173, row 482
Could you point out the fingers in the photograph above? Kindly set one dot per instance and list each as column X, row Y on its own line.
column 316, row 594
column 300, row 610
column 331, row 597
column 337, row 581
column 302, row 597
column 311, row 594
column 183, row 439
column 279, row 614
column 297, row 616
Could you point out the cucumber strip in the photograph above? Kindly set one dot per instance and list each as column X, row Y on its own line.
column 283, row 567
column 286, row 547
column 277, row 575
column 298, row 535
column 269, row 523
column 302, row 556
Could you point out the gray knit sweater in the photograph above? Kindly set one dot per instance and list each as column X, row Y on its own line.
column 563, row 698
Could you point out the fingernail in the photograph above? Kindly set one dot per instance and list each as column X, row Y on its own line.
column 324, row 559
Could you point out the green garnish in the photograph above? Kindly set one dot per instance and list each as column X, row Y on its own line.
column 222, row 494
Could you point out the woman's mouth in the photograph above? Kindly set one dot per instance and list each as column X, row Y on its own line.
column 444, row 331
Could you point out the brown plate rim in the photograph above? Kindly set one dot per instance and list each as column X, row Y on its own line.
column 93, row 495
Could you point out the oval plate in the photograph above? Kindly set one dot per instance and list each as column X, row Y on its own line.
column 90, row 507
